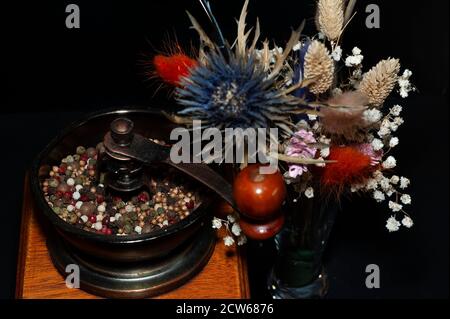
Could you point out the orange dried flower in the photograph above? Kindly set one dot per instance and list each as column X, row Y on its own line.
column 351, row 166
column 171, row 69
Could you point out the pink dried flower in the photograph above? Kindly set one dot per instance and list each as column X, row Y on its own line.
column 299, row 146
column 375, row 156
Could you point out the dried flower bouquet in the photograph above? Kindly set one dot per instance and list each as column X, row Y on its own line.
column 337, row 128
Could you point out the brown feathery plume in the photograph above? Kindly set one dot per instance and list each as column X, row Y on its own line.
column 330, row 18
column 379, row 82
column 319, row 67
column 343, row 117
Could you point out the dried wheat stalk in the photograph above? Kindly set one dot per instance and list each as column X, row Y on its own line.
column 319, row 67
column 379, row 82
column 330, row 18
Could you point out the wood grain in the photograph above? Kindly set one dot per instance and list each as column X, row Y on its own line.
column 225, row 276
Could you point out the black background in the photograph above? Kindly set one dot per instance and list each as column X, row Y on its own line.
column 55, row 75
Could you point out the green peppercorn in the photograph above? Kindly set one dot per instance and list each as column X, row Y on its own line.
column 127, row 228
column 69, row 159
column 133, row 216
column 80, row 150
column 53, row 183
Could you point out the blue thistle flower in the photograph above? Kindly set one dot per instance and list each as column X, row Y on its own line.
column 234, row 92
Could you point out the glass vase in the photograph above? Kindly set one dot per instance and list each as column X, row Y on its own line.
column 298, row 272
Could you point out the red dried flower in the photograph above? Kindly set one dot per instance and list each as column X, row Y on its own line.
column 174, row 67
column 351, row 166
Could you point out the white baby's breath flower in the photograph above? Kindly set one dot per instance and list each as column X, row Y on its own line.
column 231, row 218
column 404, row 93
column 216, row 223
column 355, row 59
column 389, row 163
column 395, row 123
column 372, row 116
column 377, row 144
column 399, row 120
column 392, row 224
column 236, row 229
column 393, row 127
column 396, row 110
column 404, row 182
column 407, row 222
column 228, row 241
column 393, row 142
column 325, row 152
column 378, row 196
column 395, row 207
column 309, row 192
column 337, row 53
column 389, row 192
column 405, row 199
column 407, row 74
column 404, row 84
column 356, row 51
column 242, row 240
column 395, row 179
column 371, row 184
column 384, row 131
column 378, row 175
column 385, row 184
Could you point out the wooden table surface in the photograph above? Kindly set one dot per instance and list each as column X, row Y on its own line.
column 225, row 276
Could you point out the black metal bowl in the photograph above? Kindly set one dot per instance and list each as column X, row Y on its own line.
column 131, row 248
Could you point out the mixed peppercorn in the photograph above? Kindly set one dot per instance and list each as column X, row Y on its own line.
column 74, row 191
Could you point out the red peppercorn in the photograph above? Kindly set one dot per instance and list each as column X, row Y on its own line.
column 143, row 197
column 105, row 220
column 108, row 231
column 190, row 204
column 84, row 157
column 68, row 195
column 93, row 219
column 84, row 198
column 59, row 194
column 62, row 170
column 258, row 196
column 104, row 230
column 100, row 199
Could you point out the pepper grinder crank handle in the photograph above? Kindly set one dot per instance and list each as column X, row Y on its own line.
column 122, row 144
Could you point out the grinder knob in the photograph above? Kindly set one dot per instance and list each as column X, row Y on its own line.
column 122, row 131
